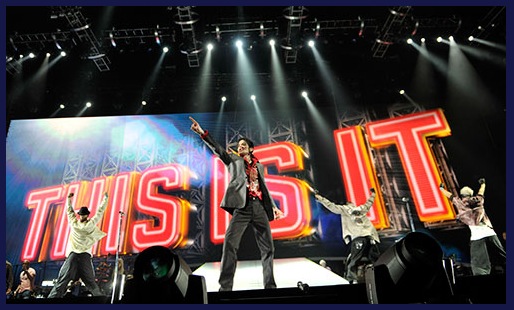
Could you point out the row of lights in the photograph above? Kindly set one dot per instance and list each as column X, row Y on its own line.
column 239, row 44
column 144, row 102
column 440, row 39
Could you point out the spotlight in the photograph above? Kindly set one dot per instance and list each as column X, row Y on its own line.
column 410, row 271
column 31, row 55
column 88, row 104
column 223, row 99
column 272, row 42
column 450, row 38
column 143, row 102
column 47, row 54
column 210, row 46
column 157, row 39
column 439, row 39
column 63, row 53
column 252, row 97
column 61, row 106
column 311, row 43
column 113, row 43
column 239, row 43
column 161, row 277
column 471, row 38
column 402, row 91
column 304, row 94
column 165, row 49
column 422, row 40
column 409, row 41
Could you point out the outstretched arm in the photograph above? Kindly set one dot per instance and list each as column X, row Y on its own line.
column 367, row 205
column 69, row 209
column 215, row 147
column 101, row 209
column 481, row 190
column 332, row 207
column 196, row 127
column 446, row 193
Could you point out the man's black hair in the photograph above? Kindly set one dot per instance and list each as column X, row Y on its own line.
column 248, row 141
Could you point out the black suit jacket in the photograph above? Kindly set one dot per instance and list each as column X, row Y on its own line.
column 236, row 193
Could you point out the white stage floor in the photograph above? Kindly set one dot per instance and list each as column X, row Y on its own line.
column 288, row 271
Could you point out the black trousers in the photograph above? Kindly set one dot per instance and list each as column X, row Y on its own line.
column 252, row 214
column 76, row 266
column 485, row 253
column 362, row 251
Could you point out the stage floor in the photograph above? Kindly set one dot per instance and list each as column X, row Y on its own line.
column 288, row 272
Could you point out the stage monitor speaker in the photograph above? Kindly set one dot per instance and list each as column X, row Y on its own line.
column 410, row 271
column 161, row 276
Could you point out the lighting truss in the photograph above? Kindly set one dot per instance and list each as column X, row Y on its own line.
column 490, row 22
column 191, row 47
column 295, row 15
column 82, row 31
column 390, row 29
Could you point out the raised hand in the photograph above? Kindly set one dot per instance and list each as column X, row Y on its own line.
column 70, row 195
column 481, row 181
column 196, row 127
column 278, row 214
column 372, row 189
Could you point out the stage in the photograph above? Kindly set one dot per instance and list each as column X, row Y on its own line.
column 320, row 286
column 288, row 272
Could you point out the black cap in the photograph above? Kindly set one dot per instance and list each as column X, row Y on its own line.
column 83, row 211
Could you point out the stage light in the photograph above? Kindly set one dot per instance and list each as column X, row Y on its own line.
column 423, row 40
column 471, row 38
column 410, row 271
column 311, row 43
column 402, row 92
column 409, row 41
column 31, row 55
column 304, row 94
column 21, row 56
column 252, row 97
column 162, row 277
column 157, row 39
column 450, row 38
column 223, row 99
column 62, row 106
column 239, row 44
column 63, row 53
column 272, row 42
column 218, row 34
column 210, row 47
column 88, row 104
column 439, row 39
column 47, row 54
column 143, row 102
column 113, row 43
column 165, row 49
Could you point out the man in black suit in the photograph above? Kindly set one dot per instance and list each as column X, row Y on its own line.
column 248, row 200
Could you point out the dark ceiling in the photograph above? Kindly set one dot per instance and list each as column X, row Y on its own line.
column 346, row 41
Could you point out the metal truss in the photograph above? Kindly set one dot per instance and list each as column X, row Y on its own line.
column 399, row 186
column 292, row 42
column 191, row 46
column 80, row 167
column 82, row 31
column 490, row 22
column 136, row 35
column 392, row 27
